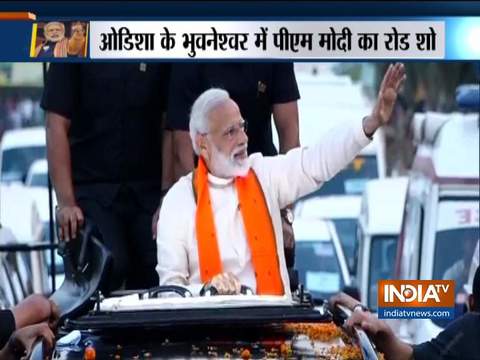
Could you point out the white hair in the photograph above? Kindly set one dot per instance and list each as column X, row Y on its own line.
column 47, row 25
column 199, row 116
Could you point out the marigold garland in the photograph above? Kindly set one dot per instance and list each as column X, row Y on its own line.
column 325, row 332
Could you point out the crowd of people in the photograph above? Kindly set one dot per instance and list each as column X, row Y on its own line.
column 175, row 166
column 17, row 111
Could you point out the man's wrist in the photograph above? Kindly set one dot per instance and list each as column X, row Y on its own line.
column 360, row 307
column 370, row 124
column 65, row 203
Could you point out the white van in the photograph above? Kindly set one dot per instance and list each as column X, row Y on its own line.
column 319, row 258
column 379, row 226
column 441, row 220
column 343, row 212
column 18, row 150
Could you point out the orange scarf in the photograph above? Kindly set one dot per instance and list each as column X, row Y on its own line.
column 59, row 51
column 258, row 228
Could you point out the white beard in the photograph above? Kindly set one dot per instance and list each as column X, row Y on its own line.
column 228, row 167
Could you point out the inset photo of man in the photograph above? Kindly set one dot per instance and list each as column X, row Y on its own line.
column 59, row 39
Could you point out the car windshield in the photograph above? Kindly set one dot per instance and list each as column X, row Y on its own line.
column 38, row 179
column 382, row 258
column 347, row 232
column 17, row 161
column 318, row 268
column 453, row 262
column 353, row 178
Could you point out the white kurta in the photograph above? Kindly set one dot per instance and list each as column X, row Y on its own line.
column 283, row 178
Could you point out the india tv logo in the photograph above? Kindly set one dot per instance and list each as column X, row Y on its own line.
column 416, row 299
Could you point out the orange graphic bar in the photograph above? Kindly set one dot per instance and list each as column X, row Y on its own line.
column 416, row 293
column 17, row 15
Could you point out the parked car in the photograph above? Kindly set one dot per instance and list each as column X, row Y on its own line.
column 319, row 258
column 18, row 150
column 24, row 210
column 36, row 184
column 343, row 212
column 37, row 175
column 379, row 226
column 167, row 322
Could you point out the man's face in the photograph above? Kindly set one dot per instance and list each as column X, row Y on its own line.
column 54, row 32
column 224, row 147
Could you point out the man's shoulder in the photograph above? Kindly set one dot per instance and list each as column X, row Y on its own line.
column 182, row 190
column 257, row 162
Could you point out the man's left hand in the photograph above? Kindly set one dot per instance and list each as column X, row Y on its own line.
column 344, row 300
column 226, row 284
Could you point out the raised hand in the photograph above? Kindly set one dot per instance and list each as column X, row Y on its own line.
column 387, row 95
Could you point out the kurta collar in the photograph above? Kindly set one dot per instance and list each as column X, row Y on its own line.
column 218, row 181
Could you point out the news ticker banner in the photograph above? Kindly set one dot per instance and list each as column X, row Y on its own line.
column 416, row 299
column 267, row 39
column 430, row 39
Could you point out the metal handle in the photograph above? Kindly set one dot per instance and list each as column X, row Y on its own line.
column 366, row 346
column 152, row 293
column 211, row 290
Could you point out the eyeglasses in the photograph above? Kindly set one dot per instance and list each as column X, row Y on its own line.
column 233, row 131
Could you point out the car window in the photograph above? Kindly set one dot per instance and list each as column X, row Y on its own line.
column 318, row 268
column 382, row 260
column 38, row 179
column 353, row 178
column 347, row 232
column 17, row 161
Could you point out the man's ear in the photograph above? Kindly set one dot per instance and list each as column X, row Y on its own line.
column 201, row 144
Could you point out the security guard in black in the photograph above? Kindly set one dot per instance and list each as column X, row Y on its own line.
column 114, row 113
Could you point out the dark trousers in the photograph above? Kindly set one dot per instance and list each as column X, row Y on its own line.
column 125, row 227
